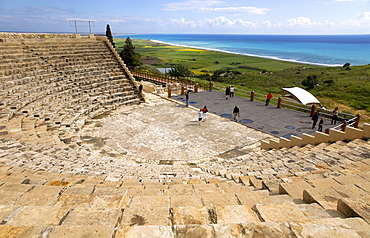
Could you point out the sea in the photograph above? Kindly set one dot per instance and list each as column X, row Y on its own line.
column 326, row 50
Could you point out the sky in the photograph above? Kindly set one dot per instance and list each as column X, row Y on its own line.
column 188, row 16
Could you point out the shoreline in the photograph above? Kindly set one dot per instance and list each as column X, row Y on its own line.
column 243, row 54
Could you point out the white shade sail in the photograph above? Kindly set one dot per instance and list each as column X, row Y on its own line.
column 301, row 95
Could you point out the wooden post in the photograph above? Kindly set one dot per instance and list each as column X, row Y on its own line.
column 313, row 110
column 252, row 96
column 196, row 88
column 182, row 90
column 280, row 100
column 357, row 121
column 210, row 86
column 344, row 125
column 169, row 91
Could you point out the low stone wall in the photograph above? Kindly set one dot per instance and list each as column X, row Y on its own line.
column 319, row 137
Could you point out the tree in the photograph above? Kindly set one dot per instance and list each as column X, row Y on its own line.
column 129, row 56
column 310, row 81
column 108, row 34
column 346, row 66
column 179, row 71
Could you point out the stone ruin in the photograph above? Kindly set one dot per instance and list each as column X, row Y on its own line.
column 72, row 164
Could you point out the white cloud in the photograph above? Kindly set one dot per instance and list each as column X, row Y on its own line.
column 241, row 10
column 218, row 22
column 190, row 5
column 207, row 6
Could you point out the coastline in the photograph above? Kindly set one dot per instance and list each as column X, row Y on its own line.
column 245, row 54
column 319, row 50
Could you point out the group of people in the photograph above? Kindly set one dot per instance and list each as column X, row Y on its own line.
column 229, row 92
column 316, row 117
column 202, row 115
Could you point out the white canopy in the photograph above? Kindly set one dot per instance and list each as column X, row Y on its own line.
column 301, row 95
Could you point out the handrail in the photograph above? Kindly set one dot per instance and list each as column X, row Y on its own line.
column 165, row 79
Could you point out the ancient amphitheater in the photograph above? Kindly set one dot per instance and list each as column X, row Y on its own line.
column 85, row 154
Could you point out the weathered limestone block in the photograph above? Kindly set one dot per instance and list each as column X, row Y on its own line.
column 39, row 196
column 235, row 214
column 179, row 189
column 86, row 216
column 21, row 231
column 294, row 189
column 314, row 211
column 212, row 200
column 38, row 216
column 145, row 231
column 280, row 212
column 200, row 231
column 256, row 197
column 355, row 207
column 228, row 230
column 186, row 200
column 190, row 215
column 267, row 229
column 326, row 197
column 323, row 228
column 93, row 231
column 146, row 216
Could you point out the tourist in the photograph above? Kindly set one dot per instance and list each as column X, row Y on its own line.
column 232, row 90
column 334, row 117
column 236, row 113
column 187, row 98
column 200, row 116
column 205, row 111
column 315, row 118
column 140, row 88
column 268, row 98
column 321, row 124
column 227, row 92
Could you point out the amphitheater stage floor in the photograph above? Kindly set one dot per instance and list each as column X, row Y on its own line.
column 166, row 130
column 279, row 122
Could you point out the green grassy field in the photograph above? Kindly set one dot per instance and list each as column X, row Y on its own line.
column 347, row 89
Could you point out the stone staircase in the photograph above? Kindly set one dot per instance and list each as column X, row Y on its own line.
column 52, row 84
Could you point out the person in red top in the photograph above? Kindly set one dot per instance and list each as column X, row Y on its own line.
column 268, row 98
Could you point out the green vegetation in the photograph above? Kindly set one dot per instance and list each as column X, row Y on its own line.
column 345, row 87
column 129, row 55
column 108, row 34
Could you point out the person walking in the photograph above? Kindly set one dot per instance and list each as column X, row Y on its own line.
column 268, row 98
column 334, row 117
column 227, row 92
column 187, row 98
column 236, row 112
column 205, row 111
column 315, row 118
column 200, row 116
column 232, row 90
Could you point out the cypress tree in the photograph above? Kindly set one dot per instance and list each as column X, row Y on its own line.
column 129, row 56
column 108, row 34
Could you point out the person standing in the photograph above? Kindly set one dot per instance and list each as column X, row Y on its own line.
column 268, row 98
column 321, row 125
column 205, row 111
column 227, row 92
column 236, row 113
column 334, row 117
column 315, row 118
column 232, row 90
column 187, row 98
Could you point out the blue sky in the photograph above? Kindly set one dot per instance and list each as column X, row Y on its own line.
column 189, row 16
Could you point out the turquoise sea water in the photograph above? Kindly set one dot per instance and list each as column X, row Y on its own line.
column 328, row 50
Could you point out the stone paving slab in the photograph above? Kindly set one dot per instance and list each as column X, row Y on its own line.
column 94, row 231
column 38, row 216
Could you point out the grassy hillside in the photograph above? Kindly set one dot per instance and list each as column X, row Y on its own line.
column 347, row 89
